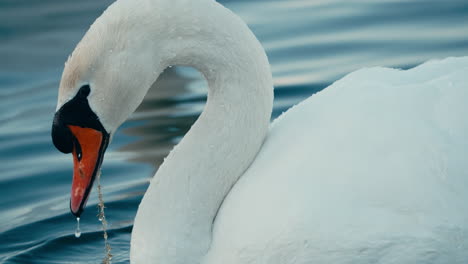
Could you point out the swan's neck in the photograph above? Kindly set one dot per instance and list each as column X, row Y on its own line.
column 175, row 217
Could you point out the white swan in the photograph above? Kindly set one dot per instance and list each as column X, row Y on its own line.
column 371, row 170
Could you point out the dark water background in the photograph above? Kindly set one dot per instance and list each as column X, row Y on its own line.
column 310, row 44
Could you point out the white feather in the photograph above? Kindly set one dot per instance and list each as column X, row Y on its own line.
column 371, row 170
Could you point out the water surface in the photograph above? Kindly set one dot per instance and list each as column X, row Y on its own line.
column 310, row 44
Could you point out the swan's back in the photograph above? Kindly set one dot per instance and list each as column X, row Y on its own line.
column 371, row 170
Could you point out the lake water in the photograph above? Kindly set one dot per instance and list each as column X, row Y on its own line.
column 310, row 44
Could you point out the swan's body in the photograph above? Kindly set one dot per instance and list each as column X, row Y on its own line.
column 373, row 173
column 371, row 170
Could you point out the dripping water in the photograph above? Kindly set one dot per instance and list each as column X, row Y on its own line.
column 102, row 217
column 77, row 230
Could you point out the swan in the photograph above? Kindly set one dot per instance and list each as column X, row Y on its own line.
column 370, row 170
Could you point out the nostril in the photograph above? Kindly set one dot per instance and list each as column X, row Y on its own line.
column 77, row 148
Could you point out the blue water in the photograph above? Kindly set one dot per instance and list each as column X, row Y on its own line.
column 310, row 44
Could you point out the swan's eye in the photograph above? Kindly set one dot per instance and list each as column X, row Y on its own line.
column 84, row 91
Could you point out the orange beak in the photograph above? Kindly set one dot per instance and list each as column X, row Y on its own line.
column 88, row 151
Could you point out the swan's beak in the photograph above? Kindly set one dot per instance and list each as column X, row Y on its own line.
column 88, row 150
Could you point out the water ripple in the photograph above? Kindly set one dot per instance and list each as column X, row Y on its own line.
column 310, row 44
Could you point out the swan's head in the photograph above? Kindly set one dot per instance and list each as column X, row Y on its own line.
column 77, row 128
column 103, row 82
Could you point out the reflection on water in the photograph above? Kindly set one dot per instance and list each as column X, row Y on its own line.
column 310, row 44
column 166, row 114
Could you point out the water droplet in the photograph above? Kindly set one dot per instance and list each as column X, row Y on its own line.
column 78, row 230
